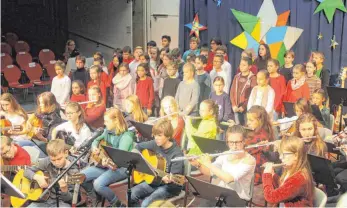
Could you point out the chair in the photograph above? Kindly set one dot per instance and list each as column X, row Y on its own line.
column 320, row 198
column 34, row 73
column 50, row 69
column 21, row 46
column 23, row 59
column 12, row 75
column 45, row 56
column 6, row 60
column 11, row 38
column 6, row 48
column 33, row 152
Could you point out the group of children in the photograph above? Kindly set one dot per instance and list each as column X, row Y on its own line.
column 160, row 83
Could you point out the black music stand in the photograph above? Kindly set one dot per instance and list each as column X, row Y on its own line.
column 10, row 189
column 144, row 129
column 130, row 161
column 322, row 170
column 289, row 107
column 332, row 149
column 210, row 146
column 338, row 97
column 317, row 113
column 222, row 196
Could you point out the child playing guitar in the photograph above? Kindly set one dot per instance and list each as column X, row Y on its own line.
column 164, row 145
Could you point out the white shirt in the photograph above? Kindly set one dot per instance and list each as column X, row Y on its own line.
column 259, row 97
column 241, row 172
column 16, row 120
column 61, row 88
column 80, row 136
column 133, row 67
column 226, row 76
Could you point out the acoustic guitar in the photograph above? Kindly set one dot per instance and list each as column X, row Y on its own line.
column 96, row 159
column 158, row 163
column 32, row 190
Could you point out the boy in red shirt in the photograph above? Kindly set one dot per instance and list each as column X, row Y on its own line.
column 12, row 153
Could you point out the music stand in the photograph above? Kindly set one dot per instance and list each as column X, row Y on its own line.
column 317, row 113
column 332, row 149
column 210, row 145
column 10, row 189
column 144, row 129
column 338, row 97
column 289, row 107
column 322, row 170
column 130, row 161
column 221, row 195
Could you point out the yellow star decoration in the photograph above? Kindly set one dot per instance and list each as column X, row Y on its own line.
column 320, row 36
column 334, row 43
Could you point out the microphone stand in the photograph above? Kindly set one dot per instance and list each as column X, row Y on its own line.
column 65, row 171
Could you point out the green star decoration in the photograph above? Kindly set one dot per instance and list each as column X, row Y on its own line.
column 329, row 7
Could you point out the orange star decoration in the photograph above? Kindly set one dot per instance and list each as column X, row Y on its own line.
column 195, row 27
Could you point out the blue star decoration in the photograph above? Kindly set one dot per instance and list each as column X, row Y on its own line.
column 219, row 3
column 329, row 7
column 195, row 27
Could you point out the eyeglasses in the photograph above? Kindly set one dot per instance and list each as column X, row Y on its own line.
column 234, row 143
column 6, row 152
column 70, row 113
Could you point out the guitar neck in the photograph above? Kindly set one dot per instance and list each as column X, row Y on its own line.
column 10, row 168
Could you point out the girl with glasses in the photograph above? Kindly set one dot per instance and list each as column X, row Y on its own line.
column 295, row 187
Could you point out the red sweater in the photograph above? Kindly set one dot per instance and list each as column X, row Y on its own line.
column 177, row 135
column 209, row 65
column 21, row 157
column 259, row 152
column 128, row 61
column 94, row 116
column 145, row 92
column 279, row 86
column 293, row 192
column 79, row 98
column 102, row 86
column 293, row 95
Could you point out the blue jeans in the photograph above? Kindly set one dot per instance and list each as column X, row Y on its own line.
column 103, row 178
column 25, row 142
column 150, row 194
column 49, row 203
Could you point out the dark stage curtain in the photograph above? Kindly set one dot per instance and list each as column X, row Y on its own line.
column 222, row 23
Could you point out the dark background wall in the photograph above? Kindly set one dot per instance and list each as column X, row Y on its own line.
column 39, row 22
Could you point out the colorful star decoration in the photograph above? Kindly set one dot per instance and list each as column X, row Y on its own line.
column 267, row 27
column 320, row 36
column 329, row 7
column 334, row 43
column 219, row 3
column 196, row 27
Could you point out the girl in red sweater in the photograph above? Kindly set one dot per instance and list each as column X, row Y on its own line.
column 259, row 120
column 295, row 187
column 95, row 76
column 297, row 87
column 78, row 90
column 278, row 83
column 94, row 112
column 144, row 88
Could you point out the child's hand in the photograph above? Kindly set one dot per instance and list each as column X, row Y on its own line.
column 235, row 109
column 194, row 162
column 241, row 109
column 269, row 168
column 63, row 185
column 149, row 112
column 41, row 180
column 96, row 151
column 166, row 179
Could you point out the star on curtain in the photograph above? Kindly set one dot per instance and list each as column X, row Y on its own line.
column 329, row 7
column 196, row 27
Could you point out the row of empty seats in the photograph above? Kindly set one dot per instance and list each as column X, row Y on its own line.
column 16, row 60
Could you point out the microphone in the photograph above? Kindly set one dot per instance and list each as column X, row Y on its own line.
column 88, row 142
